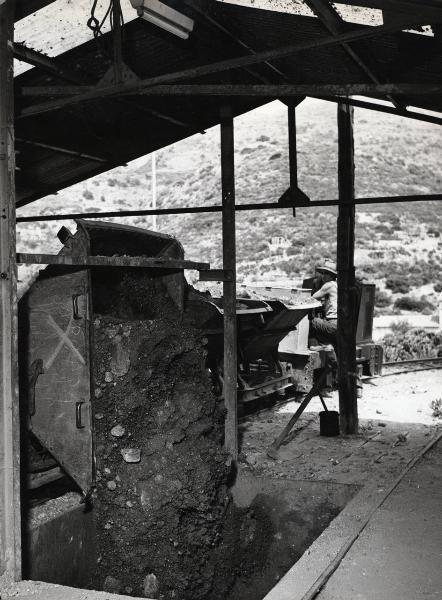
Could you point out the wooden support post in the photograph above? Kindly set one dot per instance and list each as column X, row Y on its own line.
column 348, row 409
column 10, row 536
column 229, row 287
column 293, row 152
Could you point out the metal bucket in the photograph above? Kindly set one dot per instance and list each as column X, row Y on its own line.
column 329, row 423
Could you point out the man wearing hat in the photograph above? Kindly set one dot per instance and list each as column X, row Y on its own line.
column 325, row 329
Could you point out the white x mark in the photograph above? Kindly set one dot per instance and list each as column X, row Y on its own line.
column 64, row 341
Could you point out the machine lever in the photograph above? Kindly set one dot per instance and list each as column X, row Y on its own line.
column 36, row 370
column 78, row 419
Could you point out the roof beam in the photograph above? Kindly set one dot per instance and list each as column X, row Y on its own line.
column 427, row 9
column 262, row 89
column 50, row 65
column 60, row 150
column 385, row 109
column 240, row 42
column 37, row 59
column 328, row 15
column 225, row 65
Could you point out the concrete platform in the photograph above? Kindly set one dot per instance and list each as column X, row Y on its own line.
column 37, row 590
column 385, row 545
column 399, row 554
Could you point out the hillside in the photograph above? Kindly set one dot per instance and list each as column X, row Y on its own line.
column 393, row 156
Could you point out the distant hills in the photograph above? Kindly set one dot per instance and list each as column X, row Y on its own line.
column 394, row 156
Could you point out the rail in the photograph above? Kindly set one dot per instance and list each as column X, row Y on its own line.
column 413, row 364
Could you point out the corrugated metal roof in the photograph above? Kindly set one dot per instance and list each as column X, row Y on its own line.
column 117, row 130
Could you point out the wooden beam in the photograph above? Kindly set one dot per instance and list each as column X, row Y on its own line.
column 333, row 22
column 265, row 90
column 10, row 526
column 225, row 65
column 229, row 287
column 46, row 63
column 282, row 203
column 348, row 409
column 60, row 150
column 427, row 9
column 209, row 19
column 385, row 109
column 111, row 261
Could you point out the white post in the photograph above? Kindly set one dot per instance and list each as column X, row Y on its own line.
column 154, row 189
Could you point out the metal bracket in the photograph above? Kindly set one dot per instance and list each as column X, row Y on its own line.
column 216, row 275
column 36, row 369
column 78, row 416
column 75, row 310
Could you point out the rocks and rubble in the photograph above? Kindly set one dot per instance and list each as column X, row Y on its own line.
column 165, row 520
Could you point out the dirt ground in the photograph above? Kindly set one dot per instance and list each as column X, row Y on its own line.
column 395, row 423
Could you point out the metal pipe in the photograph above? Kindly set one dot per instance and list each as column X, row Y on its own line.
column 215, row 208
column 229, row 287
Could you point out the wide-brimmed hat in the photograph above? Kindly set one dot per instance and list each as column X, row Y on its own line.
column 327, row 267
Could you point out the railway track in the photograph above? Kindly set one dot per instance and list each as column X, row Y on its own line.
column 411, row 366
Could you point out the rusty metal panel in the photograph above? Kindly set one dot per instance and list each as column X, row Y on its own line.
column 59, row 371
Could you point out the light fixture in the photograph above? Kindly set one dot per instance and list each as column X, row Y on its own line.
column 164, row 16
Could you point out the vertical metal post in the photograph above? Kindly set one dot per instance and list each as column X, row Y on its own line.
column 293, row 152
column 229, row 287
column 348, row 408
column 117, row 41
column 10, row 534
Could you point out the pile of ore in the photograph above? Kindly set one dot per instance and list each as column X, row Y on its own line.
column 163, row 510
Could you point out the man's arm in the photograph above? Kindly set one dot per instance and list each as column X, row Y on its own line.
column 322, row 292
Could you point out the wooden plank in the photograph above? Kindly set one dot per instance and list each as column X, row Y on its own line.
column 10, row 526
column 229, row 286
column 348, row 409
column 224, row 65
column 111, row 261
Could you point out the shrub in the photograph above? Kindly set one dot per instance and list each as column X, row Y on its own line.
column 437, row 287
column 409, row 303
column 436, row 407
column 88, row 195
column 411, row 343
column 382, row 299
column 397, row 285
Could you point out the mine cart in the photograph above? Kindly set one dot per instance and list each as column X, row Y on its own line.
column 56, row 337
column 261, row 327
column 294, row 347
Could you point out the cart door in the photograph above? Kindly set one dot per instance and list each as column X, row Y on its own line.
column 59, row 372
